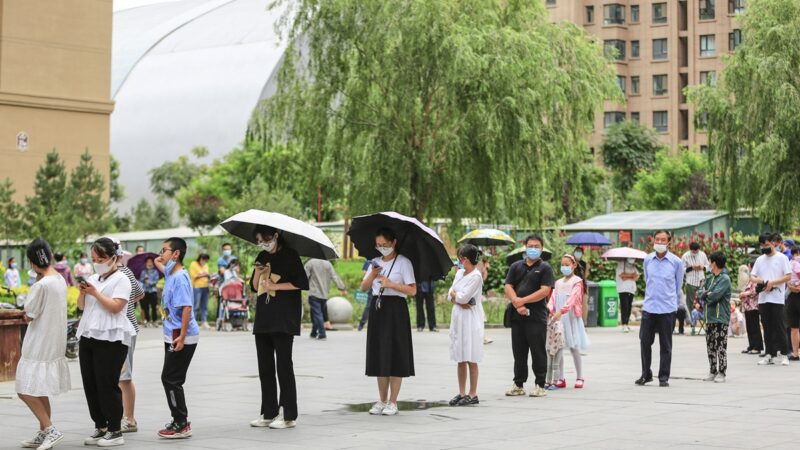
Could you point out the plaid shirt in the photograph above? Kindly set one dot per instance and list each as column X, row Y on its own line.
column 695, row 277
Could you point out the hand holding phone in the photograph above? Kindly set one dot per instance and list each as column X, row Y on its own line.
column 81, row 280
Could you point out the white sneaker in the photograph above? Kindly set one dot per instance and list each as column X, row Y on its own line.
column 127, row 427
column 280, row 424
column 111, row 439
column 785, row 360
column 720, row 378
column 261, row 422
column 36, row 441
column 538, row 391
column 390, row 409
column 710, row 377
column 377, row 408
column 515, row 391
column 95, row 437
column 766, row 361
column 51, row 438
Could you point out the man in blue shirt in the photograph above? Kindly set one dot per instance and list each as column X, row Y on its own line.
column 663, row 276
column 181, row 334
column 225, row 259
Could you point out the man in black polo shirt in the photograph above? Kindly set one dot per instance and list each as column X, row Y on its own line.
column 528, row 286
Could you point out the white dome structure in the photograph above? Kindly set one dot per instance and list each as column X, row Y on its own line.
column 186, row 73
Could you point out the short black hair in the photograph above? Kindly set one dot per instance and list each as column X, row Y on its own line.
column 534, row 237
column 763, row 238
column 776, row 237
column 58, row 256
column 104, row 247
column 226, row 244
column 694, row 245
column 10, row 260
column 82, row 255
column 203, row 256
column 796, row 250
column 719, row 259
column 39, row 253
column 263, row 230
column 669, row 235
column 139, row 247
column 470, row 252
column 386, row 233
column 177, row 244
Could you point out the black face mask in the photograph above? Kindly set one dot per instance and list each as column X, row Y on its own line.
column 766, row 250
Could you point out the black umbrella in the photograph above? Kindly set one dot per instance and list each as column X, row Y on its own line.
column 415, row 241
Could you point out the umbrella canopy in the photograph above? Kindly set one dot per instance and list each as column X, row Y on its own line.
column 415, row 241
column 623, row 253
column 486, row 238
column 305, row 239
column 588, row 238
column 516, row 255
column 137, row 264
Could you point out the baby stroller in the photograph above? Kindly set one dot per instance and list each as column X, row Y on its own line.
column 234, row 311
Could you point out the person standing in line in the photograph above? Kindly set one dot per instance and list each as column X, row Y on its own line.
column 793, row 303
column 42, row 371
column 565, row 305
column 663, row 276
column 181, row 335
column 696, row 263
column 139, row 249
column 126, row 377
column 149, row 282
column 466, row 325
column 716, row 292
column 770, row 273
column 320, row 273
column 225, row 259
column 11, row 276
column 627, row 276
column 199, row 274
column 528, row 285
column 426, row 302
column 749, row 299
column 83, row 269
column 61, row 266
column 366, row 267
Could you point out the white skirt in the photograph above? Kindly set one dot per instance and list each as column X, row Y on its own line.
column 42, row 378
column 466, row 334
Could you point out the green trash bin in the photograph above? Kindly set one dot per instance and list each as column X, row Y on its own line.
column 608, row 304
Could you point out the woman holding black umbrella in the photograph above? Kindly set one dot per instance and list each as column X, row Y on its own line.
column 390, row 356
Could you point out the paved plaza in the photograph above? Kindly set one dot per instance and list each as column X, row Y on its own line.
column 759, row 407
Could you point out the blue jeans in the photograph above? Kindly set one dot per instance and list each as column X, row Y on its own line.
column 201, row 303
column 317, row 321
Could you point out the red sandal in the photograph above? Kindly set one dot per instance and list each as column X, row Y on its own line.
column 579, row 383
column 561, row 384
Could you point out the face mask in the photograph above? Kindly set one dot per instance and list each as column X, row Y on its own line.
column 385, row 251
column 630, row 260
column 766, row 250
column 533, row 253
column 460, row 265
column 84, row 260
column 268, row 246
column 566, row 270
column 168, row 268
column 32, row 274
column 103, row 268
column 778, row 249
column 578, row 254
column 226, row 253
column 13, row 265
column 660, row 248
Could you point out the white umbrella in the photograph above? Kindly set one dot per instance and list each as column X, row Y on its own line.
column 304, row 238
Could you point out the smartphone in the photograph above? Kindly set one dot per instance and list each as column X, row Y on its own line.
column 374, row 264
column 175, row 334
column 81, row 280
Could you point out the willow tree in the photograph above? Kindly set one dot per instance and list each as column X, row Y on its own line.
column 447, row 108
column 754, row 115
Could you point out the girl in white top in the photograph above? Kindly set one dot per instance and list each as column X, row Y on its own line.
column 42, row 371
column 105, row 334
column 466, row 324
column 566, row 305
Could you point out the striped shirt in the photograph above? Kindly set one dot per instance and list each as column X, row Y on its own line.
column 136, row 292
column 695, row 277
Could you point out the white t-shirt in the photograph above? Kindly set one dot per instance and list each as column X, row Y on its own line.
column 770, row 268
column 98, row 322
column 626, row 286
column 402, row 273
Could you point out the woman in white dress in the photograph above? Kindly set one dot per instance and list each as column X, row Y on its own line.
column 566, row 305
column 466, row 324
column 42, row 371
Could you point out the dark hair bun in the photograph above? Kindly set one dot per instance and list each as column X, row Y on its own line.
column 39, row 253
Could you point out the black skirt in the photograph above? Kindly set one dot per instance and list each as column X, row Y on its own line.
column 389, row 349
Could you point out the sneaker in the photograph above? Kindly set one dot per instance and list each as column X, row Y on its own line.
column 420, row 330
column 487, row 341
column 766, row 361
column 127, row 427
column 434, row 330
column 643, row 380
column 51, row 438
column 785, row 360
column 551, row 387
column 176, row 431
column 468, row 401
column 36, row 441
column 322, row 338
column 261, row 422
column 96, row 436
column 720, row 378
column 280, row 424
column 515, row 391
column 377, row 408
column 710, row 377
column 538, row 391
column 456, row 400
column 746, row 351
column 111, row 439
column 206, row 326
column 390, row 409
column 663, row 384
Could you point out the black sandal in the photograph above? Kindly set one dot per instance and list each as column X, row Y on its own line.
column 457, row 399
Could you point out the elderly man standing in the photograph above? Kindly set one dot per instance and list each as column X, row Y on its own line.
column 696, row 263
column 663, row 275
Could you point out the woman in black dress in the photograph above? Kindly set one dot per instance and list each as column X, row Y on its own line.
column 278, row 278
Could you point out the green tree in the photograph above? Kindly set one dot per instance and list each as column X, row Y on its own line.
column 628, row 148
column 11, row 224
column 170, row 177
column 86, row 190
column 116, row 191
column 146, row 216
column 49, row 212
column 453, row 108
column 676, row 182
column 754, row 115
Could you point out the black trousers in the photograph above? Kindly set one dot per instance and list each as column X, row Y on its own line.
column 717, row 347
column 101, row 364
column 529, row 336
column 753, row 323
column 272, row 348
column 148, row 305
column 626, row 306
column 663, row 325
column 430, row 306
column 173, row 375
column 774, row 328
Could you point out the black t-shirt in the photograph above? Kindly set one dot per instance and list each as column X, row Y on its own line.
column 282, row 313
column 526, row 280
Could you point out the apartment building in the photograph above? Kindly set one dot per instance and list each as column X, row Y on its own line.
column 660, row 48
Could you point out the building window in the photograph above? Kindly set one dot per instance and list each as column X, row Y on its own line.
column 550, row 2
column 708, row 45
column 635, row 117
column 734, row 39
column 660, row 49
column 660, row 121
column 621, row 83
column 702, row 120
column 704, row 149
column 613, row 45
column 634, row 13
column 659, row 13
column 590, row 14
column 613, row 14
column 612, row 117
column 707, row 9
column 660, row 85
column 709, row 77
column 735, row 6
column 634, row 49
column 635, row 85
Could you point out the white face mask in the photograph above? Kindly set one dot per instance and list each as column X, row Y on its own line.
column 268, row 246
column 385, row 251
column 660, row 248
column 103, row 268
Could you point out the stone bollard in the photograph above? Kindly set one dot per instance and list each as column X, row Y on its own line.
column 340, row 313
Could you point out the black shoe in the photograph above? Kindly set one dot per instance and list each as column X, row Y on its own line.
column 663, row 383
column 457, row 399
column 468, row 401
column 762, row 355
column 420, row 330
column 794, row 358
column 642, row 381
column 434, row 330
column 746, row 351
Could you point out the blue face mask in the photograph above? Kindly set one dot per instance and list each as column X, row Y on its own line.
column 84, row 260
column 168, row 268
column 778, row 249
column 460, row 266
column 226, row 253
column 566, row 270
column 533, row 253
column 13, row 265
